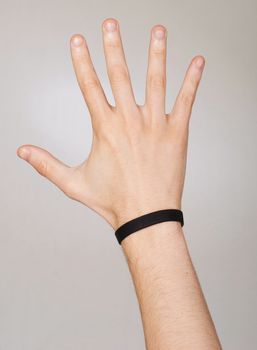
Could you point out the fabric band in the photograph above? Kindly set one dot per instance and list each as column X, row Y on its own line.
column 147, row 220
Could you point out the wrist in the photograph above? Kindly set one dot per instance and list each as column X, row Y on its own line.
column 153, row 241
column 125, row 215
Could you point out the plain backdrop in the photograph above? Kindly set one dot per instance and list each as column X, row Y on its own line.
column 64, row 282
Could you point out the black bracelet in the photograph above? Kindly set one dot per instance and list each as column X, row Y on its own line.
column 147, row 220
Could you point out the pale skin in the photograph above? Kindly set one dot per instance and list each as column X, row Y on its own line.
column 137, row 165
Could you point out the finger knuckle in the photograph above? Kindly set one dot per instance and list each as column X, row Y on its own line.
column 89, row 83
column 187, row 98
column 159, row 53
column 118, row 74
column 42, row 168
column 112, row 44
column 70, row 183
column 157, row 81
column 69, row 190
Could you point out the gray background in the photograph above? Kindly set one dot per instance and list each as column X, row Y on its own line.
column 64, row 282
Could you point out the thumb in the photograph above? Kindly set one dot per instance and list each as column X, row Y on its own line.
column 47, row 165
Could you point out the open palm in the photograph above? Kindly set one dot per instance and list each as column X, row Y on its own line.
column 138, row 157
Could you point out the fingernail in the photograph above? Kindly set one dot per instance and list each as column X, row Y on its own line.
column 110, row 26
column 159, row 33
column 23, row 153
column 77, row 40
column 199, row 62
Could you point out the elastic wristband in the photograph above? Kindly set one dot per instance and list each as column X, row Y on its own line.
column 147, row 220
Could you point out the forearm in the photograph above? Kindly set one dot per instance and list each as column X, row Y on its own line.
column 173, row 308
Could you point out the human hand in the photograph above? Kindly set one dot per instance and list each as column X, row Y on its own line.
column 138, row 156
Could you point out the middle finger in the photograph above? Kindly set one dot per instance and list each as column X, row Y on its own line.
column 116, row 66
column 156, row 71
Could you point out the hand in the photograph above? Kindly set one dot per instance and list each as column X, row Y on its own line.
column 138, row 157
